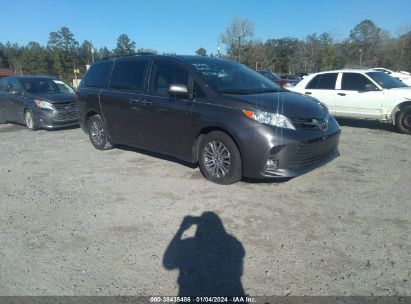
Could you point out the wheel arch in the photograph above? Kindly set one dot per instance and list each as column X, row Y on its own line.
column 200, row 135
column 397, row 109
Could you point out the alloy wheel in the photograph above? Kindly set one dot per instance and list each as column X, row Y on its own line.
column 29, row 119
column 97, row 133
column 217, row 159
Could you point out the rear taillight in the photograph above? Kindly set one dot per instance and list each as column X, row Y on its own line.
column 77, row 94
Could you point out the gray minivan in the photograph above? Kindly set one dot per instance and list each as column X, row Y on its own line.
column 224, row 116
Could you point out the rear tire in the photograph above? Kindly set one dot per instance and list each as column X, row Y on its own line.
column 219, row 158
column 97, row 132
column 404, row 120
column 30, row 120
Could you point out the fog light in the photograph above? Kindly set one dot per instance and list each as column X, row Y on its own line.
column 272, row 163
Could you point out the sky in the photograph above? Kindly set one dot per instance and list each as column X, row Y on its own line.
column 183, row 26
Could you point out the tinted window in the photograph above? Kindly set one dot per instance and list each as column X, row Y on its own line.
column 356, row 82
column 386, row 81
column 14, row 86
column 163, row 75
column 198, row 92
column 45, row 85
column 128, row 75
column 97, row 75
column 323, row 82
column 3, row 84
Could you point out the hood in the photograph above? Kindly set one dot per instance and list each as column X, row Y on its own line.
column 55, row 97
column 403, row 92
column 290, row 104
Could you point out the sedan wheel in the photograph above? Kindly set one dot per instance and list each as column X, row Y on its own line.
column 30, row 120
column 404, row 121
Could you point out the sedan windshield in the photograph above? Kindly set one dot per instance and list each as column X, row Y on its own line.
column 270, row 75
column 47, row 86
column 233, row 78
column 386, row 81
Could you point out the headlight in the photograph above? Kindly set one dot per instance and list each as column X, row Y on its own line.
column 273, row 119
column 42, row 104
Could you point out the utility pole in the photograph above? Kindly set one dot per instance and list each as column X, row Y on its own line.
column 92, row 52
column 238, row 47
column 360, row 57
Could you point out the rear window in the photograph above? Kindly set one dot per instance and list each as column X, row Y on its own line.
column 128, row 75
column 323, row 82
column 97, row 75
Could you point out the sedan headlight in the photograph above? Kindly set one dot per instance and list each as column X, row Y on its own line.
column 273, row 119
column 42, row 104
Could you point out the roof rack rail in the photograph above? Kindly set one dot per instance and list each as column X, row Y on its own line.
column 130, row 55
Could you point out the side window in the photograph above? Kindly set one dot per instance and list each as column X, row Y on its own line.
column 15, row 86
column 323, row 82
column 356, row 82
column 128, row 75
column 163, row 74
column 198, row 92
column 97, row 75
column 3, row 84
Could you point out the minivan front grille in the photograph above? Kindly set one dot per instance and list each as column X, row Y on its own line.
column 310, row 123
column 314, row 151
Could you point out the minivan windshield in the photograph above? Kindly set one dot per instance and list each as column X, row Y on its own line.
column 46, row 86
column 386, row 81
column 233, row 78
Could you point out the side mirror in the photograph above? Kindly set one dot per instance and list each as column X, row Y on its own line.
column 370, row 87
column 15, row 92
column 178, row 90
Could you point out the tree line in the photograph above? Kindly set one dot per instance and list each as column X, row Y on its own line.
column 62, row 55
column 366, row 46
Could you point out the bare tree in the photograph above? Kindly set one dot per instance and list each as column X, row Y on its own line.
column 239, row 33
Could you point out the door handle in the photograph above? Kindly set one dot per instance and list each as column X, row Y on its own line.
column 146, row 102
column 307, row 93
column 133, row 101
column 341, row 94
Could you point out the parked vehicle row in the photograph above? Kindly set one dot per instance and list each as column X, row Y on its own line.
column 37, row 102
column 363, row 94
column 231, row 120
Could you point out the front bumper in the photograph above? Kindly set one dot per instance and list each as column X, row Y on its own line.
column 56, row 119
column 293, row 152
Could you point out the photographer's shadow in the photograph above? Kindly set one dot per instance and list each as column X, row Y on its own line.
column 210, row 263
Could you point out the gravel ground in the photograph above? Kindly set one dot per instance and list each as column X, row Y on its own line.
column 77, row 221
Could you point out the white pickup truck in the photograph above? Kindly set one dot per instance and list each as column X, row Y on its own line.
column 363, row 94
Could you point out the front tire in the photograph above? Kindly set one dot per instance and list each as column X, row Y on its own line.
column 404, row 121
column 30, row 120
column 97, row 131
column 219, row 158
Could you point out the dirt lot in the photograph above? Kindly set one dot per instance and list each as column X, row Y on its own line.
column 77, row 221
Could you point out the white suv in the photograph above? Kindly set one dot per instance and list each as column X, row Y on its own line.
column 364, row 94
